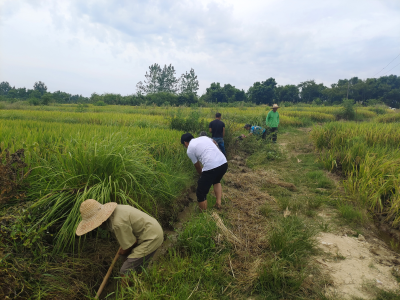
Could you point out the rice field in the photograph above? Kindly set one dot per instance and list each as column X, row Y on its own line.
column 132, row 155
column 368, row 154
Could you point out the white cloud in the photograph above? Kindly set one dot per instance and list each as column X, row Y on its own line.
column 107, row 46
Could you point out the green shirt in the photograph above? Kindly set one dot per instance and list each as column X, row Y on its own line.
column 272, row 119
column 130, row 225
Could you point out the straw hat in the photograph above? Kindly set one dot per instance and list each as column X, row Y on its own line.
column 275, row 106
column 93, row 214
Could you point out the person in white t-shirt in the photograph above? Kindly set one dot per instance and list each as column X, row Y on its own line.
column 203, row 152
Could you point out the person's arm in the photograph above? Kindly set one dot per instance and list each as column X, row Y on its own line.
column 278, row 118
column 223, row 132
column 243, row 136
column 198, row 167
column 210, row 129
column 127, row 251
column 268, row 118
column 125, row 238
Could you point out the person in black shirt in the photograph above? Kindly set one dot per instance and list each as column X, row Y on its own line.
column 217, row 128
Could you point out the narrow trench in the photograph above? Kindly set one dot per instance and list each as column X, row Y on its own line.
column 389, row 235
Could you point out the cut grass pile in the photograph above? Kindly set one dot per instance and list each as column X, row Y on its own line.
column 368, row 155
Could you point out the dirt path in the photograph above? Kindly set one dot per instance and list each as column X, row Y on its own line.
column 351, row 261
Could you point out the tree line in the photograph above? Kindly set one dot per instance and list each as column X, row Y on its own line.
column 162, row 87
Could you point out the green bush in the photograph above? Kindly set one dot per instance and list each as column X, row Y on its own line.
column 34, row 101
column 100, row 103
column 347, row 111
column 192, row 123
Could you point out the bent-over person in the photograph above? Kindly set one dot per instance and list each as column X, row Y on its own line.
column 138, row 234
column 257, row 131
column 202, row 151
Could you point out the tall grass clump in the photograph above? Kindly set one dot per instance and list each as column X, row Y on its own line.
column 110, row 169
column 282, row 276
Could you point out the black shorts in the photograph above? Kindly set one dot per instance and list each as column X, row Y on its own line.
column 209, row 178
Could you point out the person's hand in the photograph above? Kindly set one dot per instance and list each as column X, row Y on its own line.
column 123, row 252
column 243, row 136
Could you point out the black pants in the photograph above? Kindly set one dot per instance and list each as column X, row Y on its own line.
column 209, row 178
column 273, row 132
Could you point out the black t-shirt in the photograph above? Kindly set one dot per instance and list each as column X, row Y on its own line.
column 217, row 127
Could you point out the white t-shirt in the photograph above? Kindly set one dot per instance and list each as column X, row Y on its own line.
column 204, row 150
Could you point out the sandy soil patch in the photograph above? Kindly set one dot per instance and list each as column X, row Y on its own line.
column 352, row 262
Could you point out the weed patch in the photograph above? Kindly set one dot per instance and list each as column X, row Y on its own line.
column 349, row 213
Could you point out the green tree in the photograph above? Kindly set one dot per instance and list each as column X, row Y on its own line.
column 12, row 93
column 158, row 80
column 4, row 88
column 188, row 83
column 309, row 91
column 22, row 93
column 40, row 87
column 262, row 92
column 167, row 81
column 288, row 93
column 47, row 99
column 215, row 93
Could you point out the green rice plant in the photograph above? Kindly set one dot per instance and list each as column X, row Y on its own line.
column 368, row 154
column 313, row 116
column 74, row 162
column 389, row 118
column 103, row 118
column 108, row 170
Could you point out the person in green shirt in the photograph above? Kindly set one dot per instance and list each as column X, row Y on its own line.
column 272, row 122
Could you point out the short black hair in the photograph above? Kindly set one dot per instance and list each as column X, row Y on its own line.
column 186, row 137
column 218, row 115
column 247, row 126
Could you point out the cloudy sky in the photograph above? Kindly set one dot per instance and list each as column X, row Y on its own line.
column 102, row 46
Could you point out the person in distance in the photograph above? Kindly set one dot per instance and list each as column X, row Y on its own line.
column 217, row 129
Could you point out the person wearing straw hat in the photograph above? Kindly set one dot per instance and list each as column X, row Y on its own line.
column 272, row 122
column 138, row 234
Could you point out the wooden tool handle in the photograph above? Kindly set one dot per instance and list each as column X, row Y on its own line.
column 103, row 284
